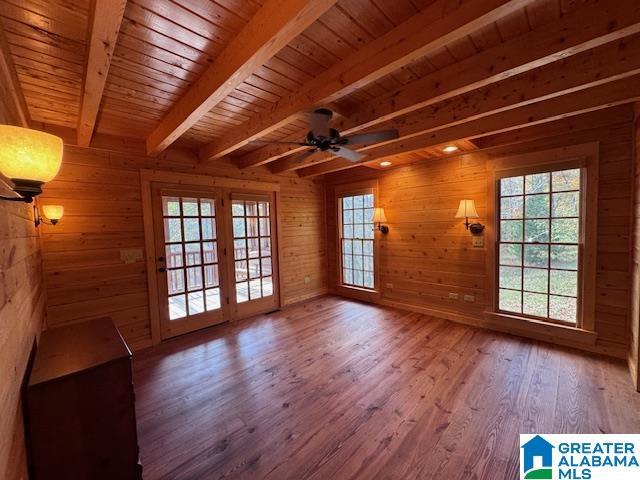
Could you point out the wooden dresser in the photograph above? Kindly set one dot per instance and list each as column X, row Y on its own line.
column 79, row 405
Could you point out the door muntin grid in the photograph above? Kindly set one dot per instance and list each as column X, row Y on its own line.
column 539, row 245
column 252, row 249
column 356, row 240
column 191, row 256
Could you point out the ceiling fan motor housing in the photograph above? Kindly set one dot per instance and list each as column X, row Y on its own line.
column 324, row 143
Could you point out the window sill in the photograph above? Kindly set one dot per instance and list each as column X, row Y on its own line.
column 358, row 293
column 540, row 330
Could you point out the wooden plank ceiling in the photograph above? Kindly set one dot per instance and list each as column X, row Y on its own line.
column 212, row 75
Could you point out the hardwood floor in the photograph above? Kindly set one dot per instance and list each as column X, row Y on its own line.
column 335, row 389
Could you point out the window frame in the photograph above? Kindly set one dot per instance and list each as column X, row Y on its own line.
column 347, row 190
column 571, row 165
column 586, row 158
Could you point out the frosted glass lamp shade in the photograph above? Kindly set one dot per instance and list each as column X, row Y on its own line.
column 467, row 209
column 29, row 157
column 379, row 216
column 53, row 212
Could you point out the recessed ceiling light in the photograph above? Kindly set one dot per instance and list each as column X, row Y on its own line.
column 450, row 149
column 385, row 164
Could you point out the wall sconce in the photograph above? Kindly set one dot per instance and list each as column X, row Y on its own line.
column 467, row 210
column 28, row 158
column 379, row 218
column 52, row 214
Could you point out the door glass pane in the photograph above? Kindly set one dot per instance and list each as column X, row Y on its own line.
column 252, row 249
column 267, row 286
column 238, row 228
column 210, row 252
column 192, row 253
column 208, row 228
column 177, row 307
column 173, row 255
column 207, row 208
column 191, row 229
column 190, row 207
column 211, row 276
column 242, row 292
column 196, row 303
column 253, row 245
column 212, row 299
column 191, row 263
column 171, row 206
column 172, row 230
column 194, row 278
column 175, row 281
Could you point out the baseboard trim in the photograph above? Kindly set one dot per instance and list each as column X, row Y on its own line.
column 305, row 298
column 583, row 340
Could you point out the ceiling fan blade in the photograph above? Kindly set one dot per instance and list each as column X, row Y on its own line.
column 372, row 137
column 301, row 157
column 349, row 154
column 269, row 142
column 319, row 121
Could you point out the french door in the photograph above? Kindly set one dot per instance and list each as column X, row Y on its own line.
column 254, row 269
column 215, row 256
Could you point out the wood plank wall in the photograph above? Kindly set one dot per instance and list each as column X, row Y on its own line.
column 22, row 299
column 428, row 253
column 634, row 324
column 100, row 190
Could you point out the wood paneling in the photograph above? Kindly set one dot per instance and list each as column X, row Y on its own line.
column 269, row 31
column 22, row 299
column 22, row 310
column 399, row 47
column 634, row 319
column 336, row 389
column 428, row 254
column 100, row 189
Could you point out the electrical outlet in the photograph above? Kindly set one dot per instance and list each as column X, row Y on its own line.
column 453, row 296
column 388, row 285
column 469, row 298
column 477, row 242
column 307, row 279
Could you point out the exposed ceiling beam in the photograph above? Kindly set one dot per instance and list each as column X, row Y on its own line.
column 585, row 28
column 103, row 34
column 582, row 128
column 608, row 63
column 592, row 99
column 11, row 85
column 622, row 114
column 402, row 45
column 271, row 28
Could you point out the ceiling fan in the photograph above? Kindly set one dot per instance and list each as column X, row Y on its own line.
column 322, row 138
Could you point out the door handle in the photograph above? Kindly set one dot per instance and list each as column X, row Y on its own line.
column 162, row 269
